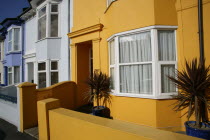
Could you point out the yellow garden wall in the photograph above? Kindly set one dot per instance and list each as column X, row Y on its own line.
column 57, row 123
column 29, row 95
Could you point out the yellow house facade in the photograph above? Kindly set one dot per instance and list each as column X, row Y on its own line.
column 137, row 43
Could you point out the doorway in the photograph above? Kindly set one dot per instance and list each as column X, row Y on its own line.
column 30, row 72
column 84, row 71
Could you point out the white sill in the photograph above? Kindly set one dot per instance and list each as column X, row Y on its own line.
column 14, row 52
column 48, row 38
column 129, row 95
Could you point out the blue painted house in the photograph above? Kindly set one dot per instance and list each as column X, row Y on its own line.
column 13, row 50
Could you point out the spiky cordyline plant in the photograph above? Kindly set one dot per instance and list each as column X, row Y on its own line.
column 193, row 83
column 99, row 89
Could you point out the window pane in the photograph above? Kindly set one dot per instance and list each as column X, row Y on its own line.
column 135, row 48
column 112, row 75
column 10, row 46
column 54, row 25
column 167, row 85
column 16, row 39
column 166, row 43
column 54, row 8
column 54, row 78
column 42, row 80
column 16, row 75
column 54, row 65
column 10, row 35
column 41, row 66
column 112, row 55
column 136, row 79
column 42, row 11
column 42, row 28
column 10, row 69
column 9, row 78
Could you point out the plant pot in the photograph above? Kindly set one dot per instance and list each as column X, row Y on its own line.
column 200, row 133
column 101, row 111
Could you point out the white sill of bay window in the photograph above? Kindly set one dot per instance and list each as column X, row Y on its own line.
column 48, row 38
column 129, row 95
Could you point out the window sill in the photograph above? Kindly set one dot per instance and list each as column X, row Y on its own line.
column 144, row 96
column 109, row 6
column 13, row 52
column 48, row 38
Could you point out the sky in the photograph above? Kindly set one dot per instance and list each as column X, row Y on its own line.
column 11, row 8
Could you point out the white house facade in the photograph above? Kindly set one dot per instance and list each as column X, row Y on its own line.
column 46, row 56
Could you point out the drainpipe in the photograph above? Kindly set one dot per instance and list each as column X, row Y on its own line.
column 69, row 25
column 23, row 51
column 200, row 27
column 203, row 108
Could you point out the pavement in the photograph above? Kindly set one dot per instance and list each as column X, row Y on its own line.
column 9, row 132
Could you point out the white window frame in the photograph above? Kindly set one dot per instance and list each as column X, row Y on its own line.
column 13, row 75
column 53, row 70
column 47, row 71
column 48, row 20
column 156, row 64
column 12, row 40
column 41, row 71
column 38, row 18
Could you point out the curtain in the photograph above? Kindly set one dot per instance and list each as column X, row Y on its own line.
column 112, row 53
column 167, row 85
column 167, row 52
column 136, row 78
column 16, row 39
column 166, row 44
column 10, row 41
column 16, row 74
column 135, row 48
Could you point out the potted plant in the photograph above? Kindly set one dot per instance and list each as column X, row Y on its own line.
column 193, row 83
column 100, row 93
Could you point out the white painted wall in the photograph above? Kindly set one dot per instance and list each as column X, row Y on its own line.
column 9, row 112
column 30, row 35
column 64, row 50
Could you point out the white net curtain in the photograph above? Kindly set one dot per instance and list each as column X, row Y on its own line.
column 135, row 76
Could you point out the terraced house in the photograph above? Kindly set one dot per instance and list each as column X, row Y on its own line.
column 11, row 33
column 46, row 43
column 139, row 44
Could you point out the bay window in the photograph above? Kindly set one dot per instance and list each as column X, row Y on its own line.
column 14, row 39
column 13, row 75
column 48, row 21
column 141, row 60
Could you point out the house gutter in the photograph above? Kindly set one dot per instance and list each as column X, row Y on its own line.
column 200, row 27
